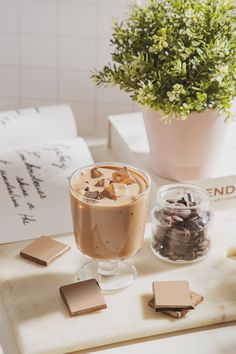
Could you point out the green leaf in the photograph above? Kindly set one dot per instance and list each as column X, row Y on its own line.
column 176, row 56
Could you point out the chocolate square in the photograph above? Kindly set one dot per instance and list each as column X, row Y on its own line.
column 83, row 297
column 44, row 250
column 196, row 299
column 172, row 295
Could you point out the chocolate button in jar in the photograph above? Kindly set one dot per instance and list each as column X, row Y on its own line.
column 167, row 212
column 177, row 218
column 203, row 247
column 157, row 214
column 193, row 216
column 179, row 234
column 184, row 213
column 204, row 220
column 190, row 256
column 160, row 233
column 181, row 220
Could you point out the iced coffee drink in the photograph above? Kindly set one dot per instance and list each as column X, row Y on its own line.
column 109, row 206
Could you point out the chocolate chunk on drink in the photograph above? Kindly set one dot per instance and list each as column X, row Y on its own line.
column 109, row 192
column 92, row 195
column 100, row 183
column 95, row 173
column 122, row 176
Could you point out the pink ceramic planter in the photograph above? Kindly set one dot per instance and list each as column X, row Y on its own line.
column 185, row 150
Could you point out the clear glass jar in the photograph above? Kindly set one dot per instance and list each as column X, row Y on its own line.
column 180, row 223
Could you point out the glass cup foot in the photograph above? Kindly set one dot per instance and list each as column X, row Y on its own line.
column 112, row 276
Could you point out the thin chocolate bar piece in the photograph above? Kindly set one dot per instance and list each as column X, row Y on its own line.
column 44, row 250
column 196, row 299
column 172, row 295
column 83, row 297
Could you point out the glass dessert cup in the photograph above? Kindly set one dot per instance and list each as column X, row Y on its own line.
column 109, row 230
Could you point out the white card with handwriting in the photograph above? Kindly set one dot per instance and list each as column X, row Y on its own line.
column 34, row 188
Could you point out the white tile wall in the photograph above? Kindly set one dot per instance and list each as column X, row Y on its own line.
column 9, row 16
column 9, row 82
column 104, row 109
column 8, row 49
column 39, row 83
column 38, row 17
column 74, row 84
column 38, row 51
column 78, row 18
column 77, row 53
column 48, row 49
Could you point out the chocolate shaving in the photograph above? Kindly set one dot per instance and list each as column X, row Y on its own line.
column 109, row 192
column 100, row 183
column 95, row 173
column 92, row 195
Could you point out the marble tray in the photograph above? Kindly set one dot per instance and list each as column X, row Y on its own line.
column 42, row 324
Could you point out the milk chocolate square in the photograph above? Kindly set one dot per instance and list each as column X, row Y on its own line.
column 44, row 250
column 83, row 297
column 196, row 299
column 172, row 295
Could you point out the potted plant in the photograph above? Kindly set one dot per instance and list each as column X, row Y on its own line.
column 177, row 59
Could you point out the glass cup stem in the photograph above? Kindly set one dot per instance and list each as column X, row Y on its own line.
column 108, row 268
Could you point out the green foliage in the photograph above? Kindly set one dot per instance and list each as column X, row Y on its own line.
column 175, row 56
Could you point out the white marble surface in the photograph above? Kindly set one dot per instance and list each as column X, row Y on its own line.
column 41, row 322
column 219, row 339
